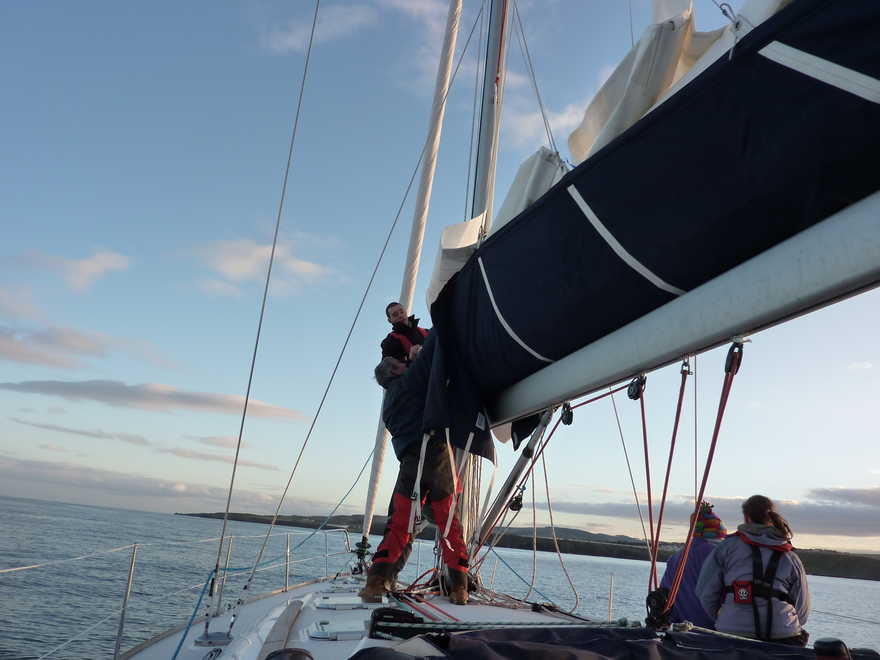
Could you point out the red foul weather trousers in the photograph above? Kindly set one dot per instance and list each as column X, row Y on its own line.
column 436, row 494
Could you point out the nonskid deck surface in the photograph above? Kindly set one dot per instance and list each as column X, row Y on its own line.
column 329, row 620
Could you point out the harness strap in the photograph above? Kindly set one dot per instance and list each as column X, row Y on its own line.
column 405, row 341
column 415, row 509
column 762, row 586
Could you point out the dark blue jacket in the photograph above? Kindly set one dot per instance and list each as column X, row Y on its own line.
column 404, row 405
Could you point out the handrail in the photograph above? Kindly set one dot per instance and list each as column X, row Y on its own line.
column 96, row 553
column 230, row 571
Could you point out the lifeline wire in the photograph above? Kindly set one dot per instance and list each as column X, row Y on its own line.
column 356, row 317
column 265, row 294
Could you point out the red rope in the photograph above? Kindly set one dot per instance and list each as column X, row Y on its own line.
column 734, row 359
column 655, row 546
column 652, row 576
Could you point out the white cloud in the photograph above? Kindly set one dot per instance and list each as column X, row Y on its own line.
column 150, row 396
column 245, row 260
column 129, row 438
column 218, row 287
column 15, row 347
column 859, row 366
column 334, row 22
column 224, row 441
column 81, row 274
column 204, row 456
column 18, row 304
column 55, row 448
column 525, row 128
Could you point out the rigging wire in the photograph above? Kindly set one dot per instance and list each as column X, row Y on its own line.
column 632, row 39
column 338, row 504
column 731, row 368
column 696, row 504
column 527, row 57
column 350, row 330
column 629, row 469
column 265, row 297
column 685, row 372
column 577, row 597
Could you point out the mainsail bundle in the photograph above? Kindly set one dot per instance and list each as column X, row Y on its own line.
column 774, row 138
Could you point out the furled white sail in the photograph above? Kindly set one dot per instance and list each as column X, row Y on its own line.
column 669, row 54
column 537, row 174
column 457, row 244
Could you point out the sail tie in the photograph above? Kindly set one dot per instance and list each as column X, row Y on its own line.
column 731, row 367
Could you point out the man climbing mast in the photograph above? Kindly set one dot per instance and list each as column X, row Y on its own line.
column 406, row 337
column 425, row 482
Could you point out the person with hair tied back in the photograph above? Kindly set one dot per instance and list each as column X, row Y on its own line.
column 753, row 583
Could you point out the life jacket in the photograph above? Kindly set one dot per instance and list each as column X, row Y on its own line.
column 761, row 585
column 405, row 341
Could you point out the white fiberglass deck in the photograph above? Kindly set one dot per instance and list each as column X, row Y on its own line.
column 326, row 618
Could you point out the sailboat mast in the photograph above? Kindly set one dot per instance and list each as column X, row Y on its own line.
column 490, row 112
column 417, row 233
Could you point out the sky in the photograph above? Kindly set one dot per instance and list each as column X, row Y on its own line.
column 143, row 154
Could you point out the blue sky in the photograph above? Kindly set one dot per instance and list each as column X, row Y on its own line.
column 143, row 153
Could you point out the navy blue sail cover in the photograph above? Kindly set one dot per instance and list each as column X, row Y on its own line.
column 748, row 154
column 596, row 644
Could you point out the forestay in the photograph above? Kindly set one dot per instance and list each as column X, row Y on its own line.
column 768, row 141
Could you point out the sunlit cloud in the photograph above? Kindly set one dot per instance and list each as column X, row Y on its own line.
column 18, row 303
column 218, row 287
column 840, row 512
column 17, row 347
column 79, row 274
column 149, row 396
column 223, row 441
column 69, row 481
column 56, row 448
column 245, row 260
column 203, row 456
column 334, row 22
column 859, row 366
column 525, row 128
column 130, row 438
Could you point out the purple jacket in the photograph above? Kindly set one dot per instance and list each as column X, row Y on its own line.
column 687, row 605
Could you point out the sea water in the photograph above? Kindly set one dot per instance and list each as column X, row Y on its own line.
column 42, row 608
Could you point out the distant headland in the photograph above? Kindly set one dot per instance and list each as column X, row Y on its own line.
column 579, row 542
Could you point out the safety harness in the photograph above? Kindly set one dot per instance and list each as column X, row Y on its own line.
column 405, row 341
column 761, row 585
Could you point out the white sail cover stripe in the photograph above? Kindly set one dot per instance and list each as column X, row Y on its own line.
column 619, row 250
column 501, row 319
column 823, row 70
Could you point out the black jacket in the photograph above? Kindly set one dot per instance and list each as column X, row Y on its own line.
column 391, row 345
column 404, row 404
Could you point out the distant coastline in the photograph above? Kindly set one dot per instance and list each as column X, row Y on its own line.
column 579, row 542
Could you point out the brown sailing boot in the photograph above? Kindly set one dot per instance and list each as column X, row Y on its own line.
column 376, row 587
column 458, row 593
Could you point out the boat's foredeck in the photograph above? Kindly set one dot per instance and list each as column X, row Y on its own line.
column 329, row 620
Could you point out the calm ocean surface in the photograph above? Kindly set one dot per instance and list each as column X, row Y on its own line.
column 42, row 608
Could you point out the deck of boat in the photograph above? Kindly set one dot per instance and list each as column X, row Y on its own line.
column 328, row 619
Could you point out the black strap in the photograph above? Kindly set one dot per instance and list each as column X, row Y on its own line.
column 762, row 585
column 758, row 574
